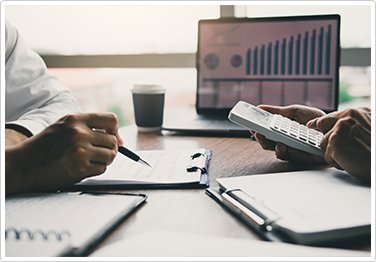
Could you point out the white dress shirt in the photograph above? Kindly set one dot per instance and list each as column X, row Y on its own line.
column 34, row 99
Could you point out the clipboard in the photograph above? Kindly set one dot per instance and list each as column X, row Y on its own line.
column 183, row 169
column 319, row 207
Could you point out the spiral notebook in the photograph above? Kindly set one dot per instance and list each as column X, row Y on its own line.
column 187, row 168
column 63, row 224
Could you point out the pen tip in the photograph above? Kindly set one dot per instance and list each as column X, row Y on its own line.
column 144, row 162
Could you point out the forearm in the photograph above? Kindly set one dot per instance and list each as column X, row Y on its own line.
column 14, row 181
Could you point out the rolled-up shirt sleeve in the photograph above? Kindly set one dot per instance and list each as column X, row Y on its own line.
column 34, row 99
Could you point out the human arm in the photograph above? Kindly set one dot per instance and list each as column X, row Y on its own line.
column 347, row 140
column 62, row 154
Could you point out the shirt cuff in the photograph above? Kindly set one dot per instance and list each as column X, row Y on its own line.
column 26, row 127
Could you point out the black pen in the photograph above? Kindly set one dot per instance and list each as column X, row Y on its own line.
column 128, row 153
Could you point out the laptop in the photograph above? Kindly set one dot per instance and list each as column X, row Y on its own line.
column 269, row 60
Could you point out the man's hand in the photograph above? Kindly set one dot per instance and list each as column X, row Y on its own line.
column 347, row 141
column 301, row 114
column 63, row 154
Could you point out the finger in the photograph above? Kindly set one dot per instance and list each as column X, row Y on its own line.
column 105, row 121
column 119, row 139
column 329, row 153
column 324, row 141
column 324, row 123
column 362, row 135
column 362, row 115
column 340, row 136
column 96, row 169
column 299, row 113
column 265, row 143
column 359, row 114
column 312, row 123
column 287, row 153
column 102, row 155
column 275, row 110
column 101, row 139
column 281, row 151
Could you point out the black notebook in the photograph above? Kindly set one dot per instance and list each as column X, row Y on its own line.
column 63, row 224
column 188, row 168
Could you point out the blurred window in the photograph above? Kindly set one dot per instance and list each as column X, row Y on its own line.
column 355, row 17
column 110, row 29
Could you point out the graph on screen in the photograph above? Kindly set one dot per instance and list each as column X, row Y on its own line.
column 277, row 62
column 289, row 56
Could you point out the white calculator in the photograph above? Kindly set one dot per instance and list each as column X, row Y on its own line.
column 277, row 128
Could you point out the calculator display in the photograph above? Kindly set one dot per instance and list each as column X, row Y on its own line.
column 259, row 115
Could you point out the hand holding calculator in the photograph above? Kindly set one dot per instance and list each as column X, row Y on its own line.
column 277, row 128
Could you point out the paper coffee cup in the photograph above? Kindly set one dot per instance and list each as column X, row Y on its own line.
column 148, row 104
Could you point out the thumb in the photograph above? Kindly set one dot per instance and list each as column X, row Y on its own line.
column 275, row 109
column 104, row 121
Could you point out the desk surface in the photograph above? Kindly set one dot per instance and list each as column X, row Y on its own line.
column 192, row 211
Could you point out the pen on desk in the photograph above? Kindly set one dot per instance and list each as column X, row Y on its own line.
column 128, row 153
column 125, row 151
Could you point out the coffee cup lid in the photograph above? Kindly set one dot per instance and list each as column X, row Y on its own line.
column 148, row 89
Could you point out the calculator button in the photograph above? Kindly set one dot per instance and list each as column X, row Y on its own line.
column 312, row 143
column 295, row 124
column 297, row 131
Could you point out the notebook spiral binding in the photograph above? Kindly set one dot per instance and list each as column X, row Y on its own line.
column 22, row 234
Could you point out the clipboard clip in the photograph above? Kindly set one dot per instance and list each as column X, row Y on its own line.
column 198, row 161
column 250, row 209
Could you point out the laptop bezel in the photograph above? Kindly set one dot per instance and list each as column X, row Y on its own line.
column 224, row 111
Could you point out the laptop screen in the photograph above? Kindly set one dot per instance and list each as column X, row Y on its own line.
column 273, row 60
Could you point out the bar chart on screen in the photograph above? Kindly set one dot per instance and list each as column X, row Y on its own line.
column 302, row 56
column 277, row 62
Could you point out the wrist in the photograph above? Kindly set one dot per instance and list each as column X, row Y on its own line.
column 14, row 137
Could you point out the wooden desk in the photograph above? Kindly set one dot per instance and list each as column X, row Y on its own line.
column 192, row 211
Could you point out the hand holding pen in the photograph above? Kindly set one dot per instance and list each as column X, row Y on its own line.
column 125, row 151
column 63, row 153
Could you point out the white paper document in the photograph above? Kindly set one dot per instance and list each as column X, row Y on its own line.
column 168, row 167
